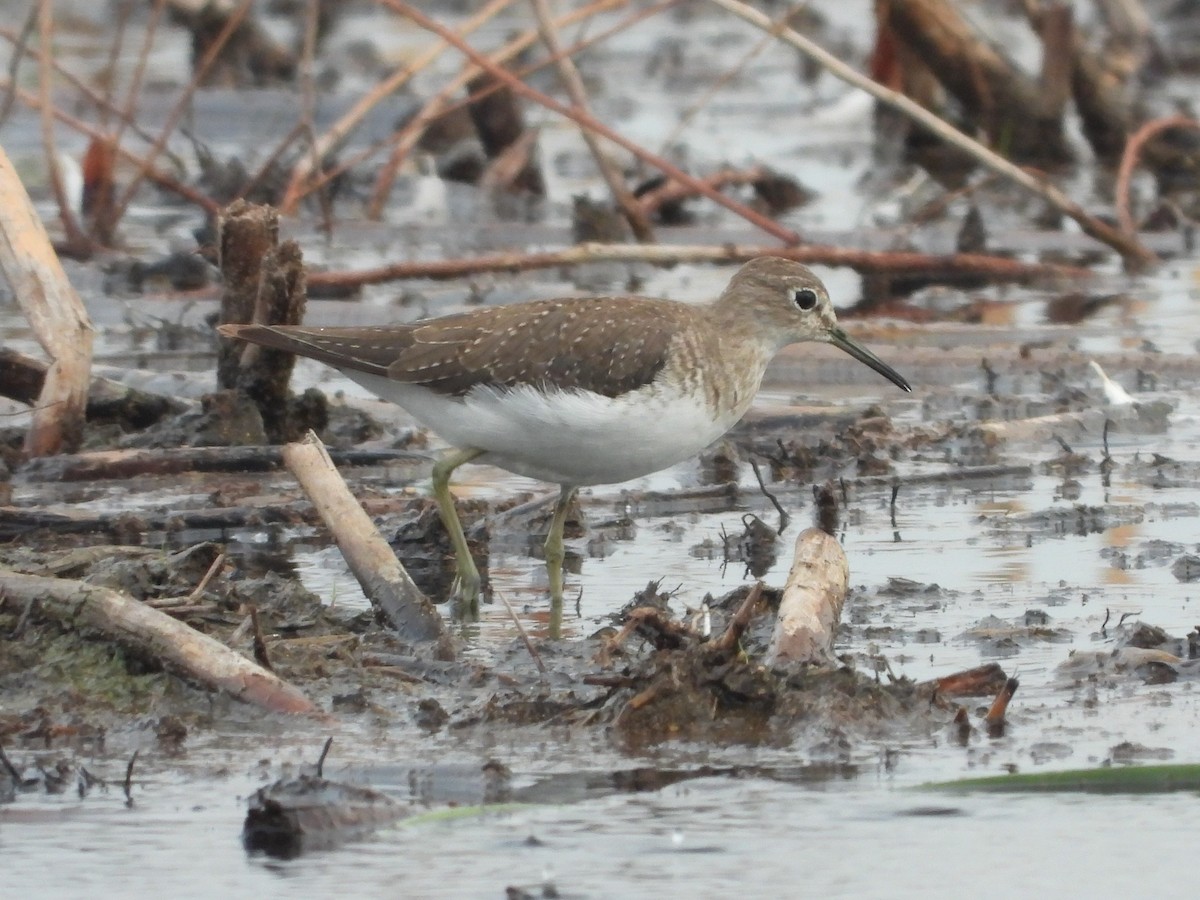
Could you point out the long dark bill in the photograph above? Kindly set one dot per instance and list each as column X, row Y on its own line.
column 843, row 341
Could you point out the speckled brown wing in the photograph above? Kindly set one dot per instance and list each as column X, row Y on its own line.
column 618, row 345
column 362, row 349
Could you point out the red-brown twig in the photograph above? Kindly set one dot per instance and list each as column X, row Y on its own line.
column 993, row 267
column 1129, row 160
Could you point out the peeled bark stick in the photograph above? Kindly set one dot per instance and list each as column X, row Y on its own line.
column 812, row 601
column 145, row 630
column 55, row 313
column 999, row 709
column 1069, row 424
column 396, row 599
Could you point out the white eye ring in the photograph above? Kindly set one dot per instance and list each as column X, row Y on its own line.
column 805, row 298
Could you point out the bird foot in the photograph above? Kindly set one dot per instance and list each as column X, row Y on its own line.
column 464, row 596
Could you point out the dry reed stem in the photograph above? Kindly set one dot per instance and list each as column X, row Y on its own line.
column 1134, row 254
column 335, row 135
column 713, row 89
column 787, row 236
column 181, row 105
column 133, row 94
column 639, row 223
column 75, row 236
column 408, row 136
column 105, row 105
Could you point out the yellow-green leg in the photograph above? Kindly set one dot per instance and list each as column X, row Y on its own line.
column 555, row 555
column 468, row 575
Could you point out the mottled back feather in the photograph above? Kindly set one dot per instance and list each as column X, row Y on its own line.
column 607, row 345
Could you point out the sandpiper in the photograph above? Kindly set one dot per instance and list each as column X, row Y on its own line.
column 580, row 391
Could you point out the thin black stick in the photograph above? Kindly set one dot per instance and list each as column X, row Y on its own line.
column 321, row 758
column 784, row 518
column 129, row 779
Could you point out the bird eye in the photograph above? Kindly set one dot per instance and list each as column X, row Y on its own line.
column 805, row 298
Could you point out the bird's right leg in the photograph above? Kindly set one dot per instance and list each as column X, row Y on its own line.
column 555, row 556
column 468, row 575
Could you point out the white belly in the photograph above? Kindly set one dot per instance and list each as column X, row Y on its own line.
column 568, row 437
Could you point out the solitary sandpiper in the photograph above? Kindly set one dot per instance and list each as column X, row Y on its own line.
column 581, row 391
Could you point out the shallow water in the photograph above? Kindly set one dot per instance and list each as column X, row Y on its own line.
column 865, row 837
column 827, row 824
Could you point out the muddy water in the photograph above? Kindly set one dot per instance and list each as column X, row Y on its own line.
column 802, row 820
column 863, row 838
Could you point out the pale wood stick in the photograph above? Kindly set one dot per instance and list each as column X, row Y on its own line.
column 118, row 616
column 811, row 608
column 55, row 313
column 384, row 580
